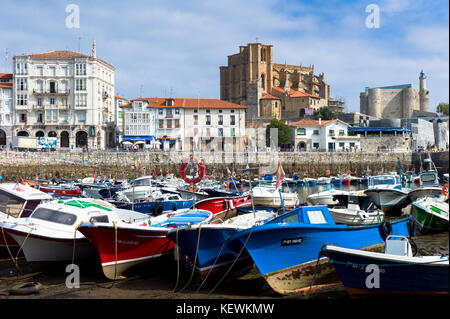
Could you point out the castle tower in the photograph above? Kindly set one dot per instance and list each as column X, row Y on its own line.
column 424, row 98
column 374, row 106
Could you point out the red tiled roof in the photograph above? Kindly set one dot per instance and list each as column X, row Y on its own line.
column 119, row 97
column 125, row 105
column 294, row 93
column 55, row 55
column 311, row 123
column 267, row 96
column 191, row 103
column 6, row 85
column 6, row 75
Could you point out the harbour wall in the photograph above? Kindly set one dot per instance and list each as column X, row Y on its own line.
column 71, row 165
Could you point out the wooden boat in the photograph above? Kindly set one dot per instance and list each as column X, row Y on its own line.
column 269, row 196
column 394, row 272
column 430, row 214
column 285, row 249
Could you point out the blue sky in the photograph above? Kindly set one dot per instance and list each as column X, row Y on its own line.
column 178, row 46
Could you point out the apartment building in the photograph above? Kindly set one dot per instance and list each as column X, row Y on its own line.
column 6, row 109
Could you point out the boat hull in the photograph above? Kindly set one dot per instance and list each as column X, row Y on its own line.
column 349, row 217
column 223, row 207
column 132, row 247
column 389, row 200
column 426, row 221
column 275, row 201
column 396, row 277
column 153, row 208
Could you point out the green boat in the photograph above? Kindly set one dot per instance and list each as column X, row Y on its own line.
column 430, row 214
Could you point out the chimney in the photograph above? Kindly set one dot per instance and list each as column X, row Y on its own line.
column 320, row 121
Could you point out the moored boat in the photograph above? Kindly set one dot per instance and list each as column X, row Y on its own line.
column 269, row 196
column 430, row 214
column 394, row 272
column 223, row 207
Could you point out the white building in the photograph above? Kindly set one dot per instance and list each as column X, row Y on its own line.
column 118, row 117
column 6, row 109
column 323, row 136
column 67, row 95
column 183, row 124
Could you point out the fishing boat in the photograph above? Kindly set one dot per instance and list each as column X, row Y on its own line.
column 60, row 190
column 428, row 181
column 205, row 246
column 122, row 245
column 387, row 193
column 285, row 249
column 17, row 201
column 398, row 271
column 430, row 214
column 269, row 196
column 335, row 180
column 323, row 181
column 139, row 189
column 49, row 233
column 223, row 207
column 352, row 214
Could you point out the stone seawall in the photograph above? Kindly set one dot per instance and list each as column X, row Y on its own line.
column 17, row 165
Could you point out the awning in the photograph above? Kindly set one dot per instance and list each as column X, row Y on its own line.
column 138, row 138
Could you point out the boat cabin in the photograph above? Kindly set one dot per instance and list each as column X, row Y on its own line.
column 313, row 215
column 390, row 180
column 19, row 200
column 429, row 178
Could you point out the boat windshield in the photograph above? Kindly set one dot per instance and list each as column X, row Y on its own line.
column 54, row 216
column 428, row 178
column 383, row 180
column 142, row 182
column 10, row 204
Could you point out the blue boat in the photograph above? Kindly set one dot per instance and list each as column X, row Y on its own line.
column 395, row 272
column 168, row 202
column 285, row 249
column 205, row 245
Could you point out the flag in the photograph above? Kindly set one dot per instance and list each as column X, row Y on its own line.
column 280, row 176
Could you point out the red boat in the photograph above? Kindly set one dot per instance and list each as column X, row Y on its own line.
column 61, row 190
column 123, row 245
column 223, row 207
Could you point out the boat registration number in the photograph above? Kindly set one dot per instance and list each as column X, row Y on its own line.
column 291, row 241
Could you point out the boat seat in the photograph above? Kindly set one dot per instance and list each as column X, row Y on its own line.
column 398, row 245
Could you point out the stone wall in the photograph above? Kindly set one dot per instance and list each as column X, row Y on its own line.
column 17, row 165
column 394, row 143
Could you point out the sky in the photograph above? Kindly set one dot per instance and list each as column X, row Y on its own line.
column 175, row 48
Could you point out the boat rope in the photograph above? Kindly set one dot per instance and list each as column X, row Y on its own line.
column 15, row 260
column 211, row 268
column 195, row 259
column 74, row 242
column 115, row 253
column 235, row 260
column 177, row 253
column 315, row 271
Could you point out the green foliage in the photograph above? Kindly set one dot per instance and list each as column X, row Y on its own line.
column 284, row 132
column 325, row 113
column 442, row 108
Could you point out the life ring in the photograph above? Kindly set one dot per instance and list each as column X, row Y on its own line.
column 445, row 190
column 201, row 173
column 27, row 288
column 349, row 172
column 193, row 187
column 385, row 229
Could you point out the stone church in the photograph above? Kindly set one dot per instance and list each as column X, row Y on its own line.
column 271, row 90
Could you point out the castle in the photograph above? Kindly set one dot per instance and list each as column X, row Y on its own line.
column 399, row 101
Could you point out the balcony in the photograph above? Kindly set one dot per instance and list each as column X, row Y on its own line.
column 52, row 92
column 37, row 107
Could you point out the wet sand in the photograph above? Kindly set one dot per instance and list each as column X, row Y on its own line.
column 158, row 280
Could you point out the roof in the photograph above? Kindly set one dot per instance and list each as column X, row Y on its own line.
column 267, row 96
column 378, row 129
column 6, row 85
column 125, row 105
column 294, row 93
column 191, row 103
column 314, row 123
column 6, row 75
column 55, row 55
column 119, row 97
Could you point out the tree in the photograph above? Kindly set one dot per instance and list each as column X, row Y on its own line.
column 325, row 113
column 284, row 132
column 442, row 108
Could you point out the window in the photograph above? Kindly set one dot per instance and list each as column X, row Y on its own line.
column 301, row 131
column 342, row 145
column 80, row 69
column 64, row 71
column 233, row 131
column 52, row 101
column 23, row 117
column 81, row 116
column 195, row 119
column 39, row 101
column 54, row 216
column 220, row 119
column 22, row 68
column 341, row 132
column 316, row 132
column 64, row 117
column 177, row 111
column 220, row 131
column 161, row 123
column 39, row 118
column 21, row 84
column 169, row 113
column 232, row 120
column 39, row 71
column 52, row 71
column 80, row 85
column 177, row 123
column 80, row 100
column 160, row 111
column 51, row 115
column 22, row 99
column 208, row 119
column 316, row 217
column 316, row 146
column 169, row 123
column 331, row 132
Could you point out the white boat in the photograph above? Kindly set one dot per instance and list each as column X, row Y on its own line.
column 326, row 197
column 269, row 196
column 354, row 215
column 49, row 234
column 323, row 181
column 387, row 193
column 140, row 189
column 18, row 201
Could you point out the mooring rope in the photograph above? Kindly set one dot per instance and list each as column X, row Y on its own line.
column 195, row 259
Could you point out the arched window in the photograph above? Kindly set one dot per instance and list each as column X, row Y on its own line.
column 40, row 134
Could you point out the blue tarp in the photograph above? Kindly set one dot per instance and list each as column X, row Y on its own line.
column 138, row 138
